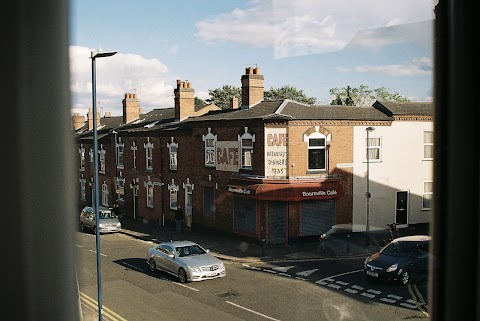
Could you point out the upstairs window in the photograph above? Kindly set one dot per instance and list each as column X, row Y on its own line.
column 105, row 194
column 210, row 140
column 120, row 187
column 81, row 151
column 173, row 189
column 373, row 149
column 172, row 152
column 246, row 146
column 134, row 152
column 120, row 145
column 148, row 154
column 102, row 153
column 317, row 151
column 428, row 145
column 149, row 186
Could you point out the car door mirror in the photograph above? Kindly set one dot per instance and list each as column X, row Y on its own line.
column 171, row 255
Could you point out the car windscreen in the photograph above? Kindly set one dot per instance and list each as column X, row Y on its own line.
column 189, row 250
column 399, row 248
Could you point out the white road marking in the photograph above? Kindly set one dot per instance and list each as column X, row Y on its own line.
column 396, row 297
column 374, row 291
column 285, row 274
column 250, row 310
column 331, row 278
column 341, row 283
column 96, row 252
column 351, row 290
column 411, row 306
column 334, row 286
column 283, row 268
column 357, row 287
column 307, row 273
column 388, row 300
column 368, row 295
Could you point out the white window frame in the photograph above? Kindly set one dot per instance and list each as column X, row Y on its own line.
column 148, row 154
column 173, row 198
column 90, row 153
column 120, row 146
column 102, row 156
column 134, row 148
column 374, row 147
column 150, row 194
column 173, row 154
column 312, row 136
column 83, row 195
column 427, row 196
column 246, row 160
column 105, row 194
column 81, row 151
column 210, row 142
column 428, row 145
column 120, row 187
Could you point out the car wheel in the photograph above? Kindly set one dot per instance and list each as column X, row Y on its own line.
column 152, row 265
column 405, row 277
column 182, row 275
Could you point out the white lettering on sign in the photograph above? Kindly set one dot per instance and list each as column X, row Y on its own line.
column 276, row 155
column 239, row 190
column 320, row 193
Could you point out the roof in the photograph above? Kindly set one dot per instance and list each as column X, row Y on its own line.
column 393, row 108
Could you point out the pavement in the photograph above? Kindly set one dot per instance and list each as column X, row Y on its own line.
column 231, row 247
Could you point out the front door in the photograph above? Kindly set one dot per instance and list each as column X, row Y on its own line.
column 401, row 217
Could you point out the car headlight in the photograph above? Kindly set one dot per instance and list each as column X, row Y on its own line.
column 194, row 269
column 119, row 224
column 101, row 225
column 221, row 266
column 392, row 268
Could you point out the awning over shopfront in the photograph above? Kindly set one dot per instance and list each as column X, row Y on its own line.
column 291, row 191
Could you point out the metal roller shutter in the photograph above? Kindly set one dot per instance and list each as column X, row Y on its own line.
column 316, row 217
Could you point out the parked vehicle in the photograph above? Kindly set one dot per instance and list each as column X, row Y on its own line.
column 186, row 260
column 404, row 259
column 109, row 222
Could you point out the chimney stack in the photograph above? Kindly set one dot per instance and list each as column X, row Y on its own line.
column 131, row 108
column 90, row 118
column 252, row 87
column 77, row 121
column 234, row 103
column 184, row 100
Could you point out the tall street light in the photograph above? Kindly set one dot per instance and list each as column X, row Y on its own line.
column 367, row 193
column 95, row 55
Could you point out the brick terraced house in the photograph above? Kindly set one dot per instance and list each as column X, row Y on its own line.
column 273, row 170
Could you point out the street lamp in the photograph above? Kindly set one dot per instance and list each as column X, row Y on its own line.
column 94, row 55
column 367, row 193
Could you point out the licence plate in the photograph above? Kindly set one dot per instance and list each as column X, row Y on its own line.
column 375, row 274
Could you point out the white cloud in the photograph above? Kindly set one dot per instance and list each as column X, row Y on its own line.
column 115, row 75
column 418, row 66
column 317, row 26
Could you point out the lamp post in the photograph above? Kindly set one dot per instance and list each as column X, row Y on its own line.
column 94, row 55
column 367, row 193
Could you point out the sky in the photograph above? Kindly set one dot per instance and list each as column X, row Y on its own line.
column 312, row 45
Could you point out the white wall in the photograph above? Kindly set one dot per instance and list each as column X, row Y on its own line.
column 402, row 168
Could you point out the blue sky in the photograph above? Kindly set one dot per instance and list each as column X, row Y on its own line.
column 313, row 45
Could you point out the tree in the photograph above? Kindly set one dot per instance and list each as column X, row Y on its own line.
column 199, row 102
column 362, row 95
column 221, row 96
column 289, row 92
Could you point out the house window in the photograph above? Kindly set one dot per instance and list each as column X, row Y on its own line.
column 81, row 151
column 90, row 153
column 208, row 201
column 134, row 152
column 149, row 186
column 173, row 189
column 210, row 140
column 373, row 149
column 104, row 194
column 427, row 195
column 82, row 188
column 120, row 146
column 120, row 187
column 428, row 145
column 246, row 145
column 148, row 154
column 317, row 151
column 172, row 151
column 102, row 159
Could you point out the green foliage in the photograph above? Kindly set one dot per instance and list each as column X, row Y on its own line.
column 199, row 102
column 221, row 96
column 289, row 92
column 362, row 95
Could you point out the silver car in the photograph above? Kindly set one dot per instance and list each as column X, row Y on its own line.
column 109, row 222
column 186, row 260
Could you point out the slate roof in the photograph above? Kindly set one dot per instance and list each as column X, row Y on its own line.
column 393, row 108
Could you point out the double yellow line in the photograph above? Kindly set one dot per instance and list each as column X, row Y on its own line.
column 93, row 305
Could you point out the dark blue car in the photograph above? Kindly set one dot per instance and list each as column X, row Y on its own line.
column 403, row 260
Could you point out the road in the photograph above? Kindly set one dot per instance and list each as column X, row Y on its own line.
column 300, row 290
